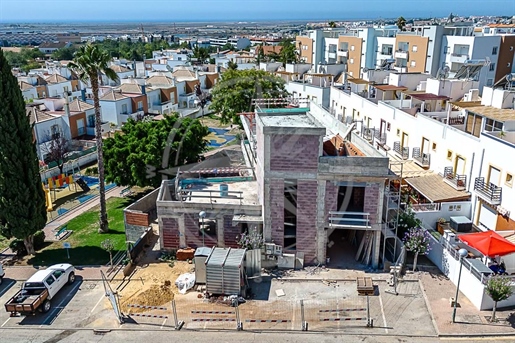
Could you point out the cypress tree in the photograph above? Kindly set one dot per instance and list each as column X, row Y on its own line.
column 22, row 199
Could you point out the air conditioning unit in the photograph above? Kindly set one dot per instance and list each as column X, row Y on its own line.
column 269, row 249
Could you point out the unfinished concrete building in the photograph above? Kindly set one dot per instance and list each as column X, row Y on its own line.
column 309, row 184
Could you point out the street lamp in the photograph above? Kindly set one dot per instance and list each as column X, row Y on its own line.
column 202, row 215
column 462, row 253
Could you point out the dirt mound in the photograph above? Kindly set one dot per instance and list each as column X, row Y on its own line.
column 153, row 285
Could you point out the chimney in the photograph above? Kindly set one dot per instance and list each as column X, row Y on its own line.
column 66, row 106
column 143, row 90
column 83, row 95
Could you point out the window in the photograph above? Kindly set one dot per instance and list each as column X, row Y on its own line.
column 91, row 121
column 413, row 63
column 172, row 97
column 434, row 146
column 494, row 50
column 492, row 67
column 55, row 132
column 351, row 61
column 57, row 274
column 398, row 132
column 124, row 108
column 49, row 280
column 352, row 48
column 388, row 127
column 140, row 105
column 509, row 179
column 489, row 82
column 414, row 48
column 449, row 154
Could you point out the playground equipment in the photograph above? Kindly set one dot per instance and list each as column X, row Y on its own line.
column 48, row 197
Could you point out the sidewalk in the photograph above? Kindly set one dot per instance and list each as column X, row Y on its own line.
column 438, row 290
column 22, row 273
column 65, row 218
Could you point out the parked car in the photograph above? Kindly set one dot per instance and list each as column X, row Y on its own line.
column 37, row 292
column 2, row 273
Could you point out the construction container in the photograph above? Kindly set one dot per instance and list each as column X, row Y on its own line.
column 225, row 272
column 224, row 190
column 201, row 255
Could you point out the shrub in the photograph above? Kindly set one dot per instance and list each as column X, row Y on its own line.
column 39, row 240
column 18, row 247
column 91, row 171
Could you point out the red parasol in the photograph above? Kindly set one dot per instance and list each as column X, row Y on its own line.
column 489, row 243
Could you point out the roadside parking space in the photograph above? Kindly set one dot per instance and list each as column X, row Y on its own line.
column 73, row 306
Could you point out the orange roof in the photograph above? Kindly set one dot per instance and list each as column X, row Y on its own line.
column 267, row 49
column 502, row 25
column 390, row 88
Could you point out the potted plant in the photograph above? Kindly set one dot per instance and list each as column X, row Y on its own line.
column 440, row 224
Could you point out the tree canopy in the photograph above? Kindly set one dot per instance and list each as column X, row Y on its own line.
column 143, row 143
column 233, row 94
column 401, row 23
column 22, row 200
column 499, row 289
column 26, row 59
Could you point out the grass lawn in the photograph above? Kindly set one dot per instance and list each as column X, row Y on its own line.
column 85, row 240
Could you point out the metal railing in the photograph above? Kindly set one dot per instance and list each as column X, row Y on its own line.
column 426, row 207
column 488, row 191
column 456, row 120
column 349, row 220
column 368, row 133
column 380, row 137
column 457, row 181
column 423, row 159
column 400, row 150
column 483, row 278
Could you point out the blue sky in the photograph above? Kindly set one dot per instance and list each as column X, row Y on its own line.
column 244, row 10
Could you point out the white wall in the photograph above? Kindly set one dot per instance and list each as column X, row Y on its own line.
column 447, row 210
column 409, row 81
column 303, row 90
column 57, row 89
column 454, row 89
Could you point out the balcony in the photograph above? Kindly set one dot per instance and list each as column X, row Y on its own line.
column 401, row 54
column 458, row 58
column 343, row 53
column 403, row 152
column 422, row 159
column 456, row 181
column 368, row 133
column 488, row 191
column 380, row 137
column 350, row 220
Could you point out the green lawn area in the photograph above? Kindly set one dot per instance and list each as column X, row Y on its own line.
column 85, row 240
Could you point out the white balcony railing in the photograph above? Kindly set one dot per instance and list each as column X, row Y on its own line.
column 351, row 220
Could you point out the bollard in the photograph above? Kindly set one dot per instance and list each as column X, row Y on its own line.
column 239, row 324
column 178, row 324
column 303, row 321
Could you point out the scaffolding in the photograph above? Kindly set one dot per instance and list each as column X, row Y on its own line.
column 391, row 210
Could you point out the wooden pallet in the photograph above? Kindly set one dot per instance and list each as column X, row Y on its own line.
column 365, row 285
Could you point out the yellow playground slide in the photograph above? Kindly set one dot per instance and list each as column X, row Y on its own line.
column 48, row 197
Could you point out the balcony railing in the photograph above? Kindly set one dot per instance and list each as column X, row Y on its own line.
column 400, row 150
column 459, row 182
column 368, row 133
column 422, row 159
column 488, row 191
column 354, row 220
column 380, row 137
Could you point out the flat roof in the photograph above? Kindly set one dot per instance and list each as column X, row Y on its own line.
column 433, row 188
column 238, row 193
column 500, row 114
column 358, row 81
column 289, row 120
column 390, row 88
column 428, row 96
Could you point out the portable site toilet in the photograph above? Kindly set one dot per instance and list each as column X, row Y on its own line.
column 225, row 272
column 201, row 255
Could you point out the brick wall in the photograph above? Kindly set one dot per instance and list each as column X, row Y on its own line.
column 372, row 202
column 136, row 218
column 306, row 218
column 277, row 210
column 231, row 232
column 294, row 153
column 191, row 230
column 331, row 198
column 170, row 233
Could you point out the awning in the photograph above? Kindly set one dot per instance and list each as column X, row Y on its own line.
column 406, row 168
column 241, row 218
column 433, row 188
column 489, row 243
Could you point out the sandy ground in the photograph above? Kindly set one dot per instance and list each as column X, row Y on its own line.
column 153, row 285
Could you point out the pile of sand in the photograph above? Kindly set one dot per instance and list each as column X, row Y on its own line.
column 153, row 285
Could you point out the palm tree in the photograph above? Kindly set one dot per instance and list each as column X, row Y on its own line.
column 401, row 23
column 89, row 63
column 332, row 24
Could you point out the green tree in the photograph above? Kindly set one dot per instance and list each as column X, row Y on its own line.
column 232, row 65
column 22, row 200
column 64, row 54
column 499, row 289
column 288, row 53
column 227, row 46
column 201, row 54
column 401, row 23
column 407, row 221
column 260, row 57
column 89, row 62
column 144, row 143
column 235, row 91
column 331, row 24
column 108, row 246
column 417, row 241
